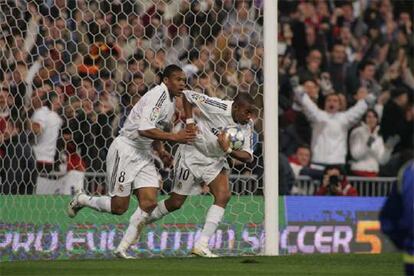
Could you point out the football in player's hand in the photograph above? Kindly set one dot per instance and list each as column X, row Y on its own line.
column 235, row 136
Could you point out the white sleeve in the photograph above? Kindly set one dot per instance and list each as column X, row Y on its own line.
column 381, row 153
column 311, row 110
column 379, row 108
column 31, row 34
column 37, row 117
column 29, row 80
column 153, row 110
column 358, row 146
column 355, row 113
column 206, row 104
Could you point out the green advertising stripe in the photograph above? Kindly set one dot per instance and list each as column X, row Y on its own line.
column 39, row 210
column 37, row 227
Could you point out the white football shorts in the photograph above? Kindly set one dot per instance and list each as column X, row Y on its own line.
column 192, row 169
column 129, row 168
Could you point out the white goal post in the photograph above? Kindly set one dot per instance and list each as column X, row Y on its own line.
column 271, row 188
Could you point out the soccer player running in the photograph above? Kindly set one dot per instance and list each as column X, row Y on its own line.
column 204, row 161
column 129, row 164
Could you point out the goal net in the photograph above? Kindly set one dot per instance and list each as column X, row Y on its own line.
column 89, row 62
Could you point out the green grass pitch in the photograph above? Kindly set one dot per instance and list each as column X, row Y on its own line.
column 339, row 264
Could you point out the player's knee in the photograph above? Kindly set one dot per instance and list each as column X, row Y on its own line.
column 118, row 210
column 148, row 205
column 119, row 206
column 175, row 205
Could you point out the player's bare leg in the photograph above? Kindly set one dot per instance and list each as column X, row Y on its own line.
column 219, row 187
column 147, row 198
column 115, row 205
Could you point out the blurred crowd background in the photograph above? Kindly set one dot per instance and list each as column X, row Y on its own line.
column 70, row 72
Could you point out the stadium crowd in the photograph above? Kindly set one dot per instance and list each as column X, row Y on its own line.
column 72, row 70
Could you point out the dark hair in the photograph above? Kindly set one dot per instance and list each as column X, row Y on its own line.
column 331, row 167
column 170, row 69
column 363, row 65
column 137, row 75
column 372, row 111
column 398, row 91
column 244, row 99
column 87, row 79
column 193, row 54
column 303, row 146
column 337, row 44
column 105, row 74
column 309, row 78
column 248, row 2
column 330, row 95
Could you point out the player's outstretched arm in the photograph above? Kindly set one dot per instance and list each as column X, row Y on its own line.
column 183, row 137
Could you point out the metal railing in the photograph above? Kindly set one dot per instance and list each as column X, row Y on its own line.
column 366, row 186
column 239, row 184
column 250, row 184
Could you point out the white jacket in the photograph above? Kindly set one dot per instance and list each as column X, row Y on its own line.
column 367, row 158
column 330, row 131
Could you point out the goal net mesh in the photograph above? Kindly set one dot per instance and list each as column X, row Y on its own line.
column 90, row 61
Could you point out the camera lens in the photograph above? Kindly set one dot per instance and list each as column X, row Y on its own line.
column 333, row 180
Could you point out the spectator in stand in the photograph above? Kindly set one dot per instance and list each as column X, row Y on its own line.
column 398, row 73
column 394, row 121
column 330, row 126
column 367, row 147
column 337, row 67
column 300, row 163
column 335, row 183
column 398, row 120
column 298, row 131
column 362, row 74
column 46, row 125
column 313, row 66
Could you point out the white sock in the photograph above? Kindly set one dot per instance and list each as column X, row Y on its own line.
column 214, row 216
column 158, row 212
column 136, row 224
column 99, row 203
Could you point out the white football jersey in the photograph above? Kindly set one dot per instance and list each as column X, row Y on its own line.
column 215, row 116
column 154, row 110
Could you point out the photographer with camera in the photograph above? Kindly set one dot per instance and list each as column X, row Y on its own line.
column 334, row 183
